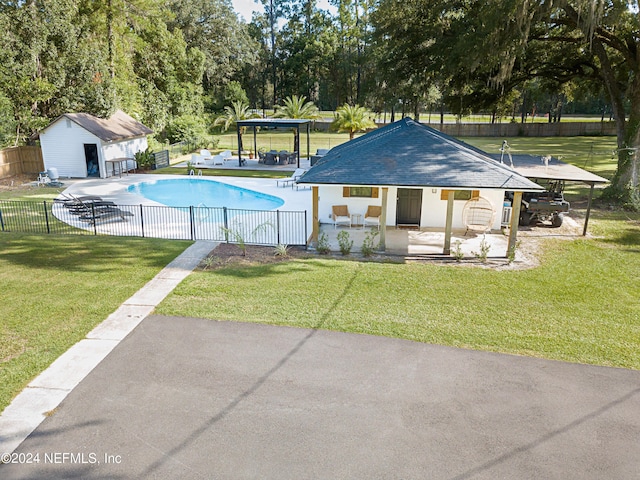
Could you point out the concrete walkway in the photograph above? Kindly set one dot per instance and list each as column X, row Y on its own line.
column 46, row 391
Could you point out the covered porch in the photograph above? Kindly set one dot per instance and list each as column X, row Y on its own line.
column 421, row 242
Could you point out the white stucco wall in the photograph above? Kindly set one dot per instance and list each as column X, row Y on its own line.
column 62, row 145
column 434, row 210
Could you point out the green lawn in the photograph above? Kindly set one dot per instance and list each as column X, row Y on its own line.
column 580, row 305
column 55, row 289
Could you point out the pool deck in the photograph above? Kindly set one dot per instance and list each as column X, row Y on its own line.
column 398, row 241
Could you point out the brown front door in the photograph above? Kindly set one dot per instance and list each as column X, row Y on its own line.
column 409, row 206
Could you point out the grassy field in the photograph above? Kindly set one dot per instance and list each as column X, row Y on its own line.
column 55, row 289
column 580, row 305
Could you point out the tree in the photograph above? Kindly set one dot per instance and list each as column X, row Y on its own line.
column 504, row 43
column 236, row 111
column 352, row 119
column 296, row 107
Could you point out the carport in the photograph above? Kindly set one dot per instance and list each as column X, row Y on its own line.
column 550, row 168
column 292, row 123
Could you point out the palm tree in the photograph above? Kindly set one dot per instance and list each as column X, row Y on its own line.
column 352, row 119
column 238, row 110
column 296, row 107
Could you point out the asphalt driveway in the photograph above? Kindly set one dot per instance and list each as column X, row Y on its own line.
column 193, row 398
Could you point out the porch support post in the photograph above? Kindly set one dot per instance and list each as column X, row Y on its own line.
column 383, row 219
column 586, row 218
column 255, row 143
column 308, row 145
column 513, row 226
column 239, row 146
column 449, row 225
column 315, row 227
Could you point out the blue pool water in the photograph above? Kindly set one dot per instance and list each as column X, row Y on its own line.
column 186, row 192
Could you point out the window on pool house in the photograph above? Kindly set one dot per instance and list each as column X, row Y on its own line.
column 460, row 194
column 366, row 192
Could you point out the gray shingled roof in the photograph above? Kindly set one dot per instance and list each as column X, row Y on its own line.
column 119, row 126
column 407, row 153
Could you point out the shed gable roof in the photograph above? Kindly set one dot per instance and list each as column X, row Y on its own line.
column 407, row 153
column 119, row 126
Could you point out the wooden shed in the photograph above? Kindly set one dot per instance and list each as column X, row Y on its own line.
column 80, row 145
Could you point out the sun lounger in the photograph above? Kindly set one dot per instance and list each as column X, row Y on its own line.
column 292, row 180
column 104, row 215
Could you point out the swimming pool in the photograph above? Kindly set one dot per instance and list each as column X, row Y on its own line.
column 187, row 192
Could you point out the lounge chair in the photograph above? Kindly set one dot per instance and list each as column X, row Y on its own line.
column 340, row 215
column 88, row 207
column 372, row 216
column 104, row 215
column 206, row 156
column 226, row 155
column 218, row 160
column 292, row 180
column 67, row 199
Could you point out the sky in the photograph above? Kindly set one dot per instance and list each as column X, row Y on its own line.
column 245, row 8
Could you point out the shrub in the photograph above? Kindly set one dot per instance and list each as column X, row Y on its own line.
column 190, row 129
column 144, row 159
column 368, row 246
column 323, row 244
column 484, row 250
column 457, row 251
column 344, row 242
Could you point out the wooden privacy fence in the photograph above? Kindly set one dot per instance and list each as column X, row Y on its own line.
column 20, row 161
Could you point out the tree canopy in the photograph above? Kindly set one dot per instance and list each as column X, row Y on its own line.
column 162, row 60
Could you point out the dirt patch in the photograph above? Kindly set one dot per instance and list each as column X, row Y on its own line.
column 17, row 182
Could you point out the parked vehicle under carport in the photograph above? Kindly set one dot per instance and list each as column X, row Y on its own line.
column 546, row 207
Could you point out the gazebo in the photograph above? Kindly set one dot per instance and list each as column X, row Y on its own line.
column 293, row 123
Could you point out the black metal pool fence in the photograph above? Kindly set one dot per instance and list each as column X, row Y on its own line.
column 258, row 227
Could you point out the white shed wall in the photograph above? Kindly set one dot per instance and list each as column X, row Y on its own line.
column 63, row 148
column 123, row 149
column 434, row 210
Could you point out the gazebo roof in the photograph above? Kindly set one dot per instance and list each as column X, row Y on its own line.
column 273, row 122
column 407, row 153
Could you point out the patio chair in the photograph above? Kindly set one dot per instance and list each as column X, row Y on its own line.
column 340, row 215
column 205, row 154
column 270, row 158
column 283, row 157
column 372, row 216
column 478, row 214
column 43, row 178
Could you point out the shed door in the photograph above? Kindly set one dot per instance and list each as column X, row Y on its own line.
column 91, row 156
column 409, row 207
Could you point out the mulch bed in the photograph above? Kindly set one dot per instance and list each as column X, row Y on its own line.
column 229, row 254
